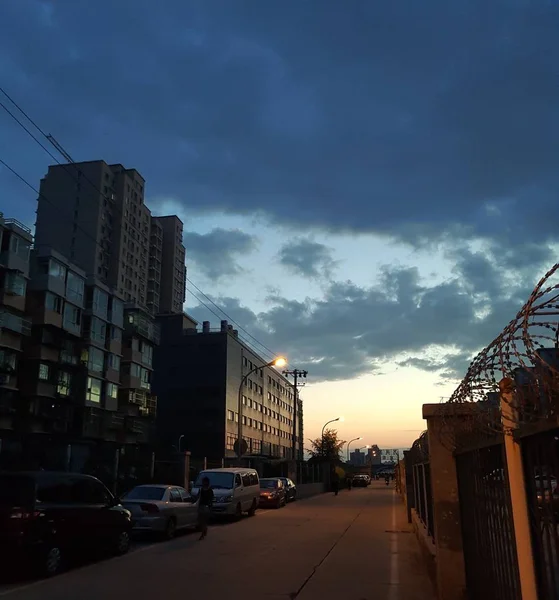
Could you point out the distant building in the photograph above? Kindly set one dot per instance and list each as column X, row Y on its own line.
column 197, row 377
column 357, row 458
column 373, row 456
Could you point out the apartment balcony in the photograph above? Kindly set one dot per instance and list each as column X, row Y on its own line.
column 15, row 323
column 138, row 403
column 136, row 324
column 44, row 316
column 8, row 401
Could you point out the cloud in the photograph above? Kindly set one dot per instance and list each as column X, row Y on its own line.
column 355, row 330
column 307, row 258
column 355, row 123
column 215, row 252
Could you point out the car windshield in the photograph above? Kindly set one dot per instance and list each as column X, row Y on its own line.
column 16, row 490
column 268, row 483
column 145, row 493
column 223, row 481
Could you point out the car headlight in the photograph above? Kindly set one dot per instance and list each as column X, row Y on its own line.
column 224, row 499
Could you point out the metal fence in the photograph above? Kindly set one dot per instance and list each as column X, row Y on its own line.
column 541, row 466
column 487, row 525
column 418, row 459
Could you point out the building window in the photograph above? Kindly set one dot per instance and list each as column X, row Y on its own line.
column 100, row 302
column 44, row 372
column 230, row 444
column 98, row 330
column 244, row 420
column 96, row 360
column 245, row 361
column 63, row 387
column 250, row 402
column 72, row 317
column 74, row 288
column 15, row 284
column 244, row 400
column 269, row 396
column 260, row 390
column 53, row 302
column 112, row 390
column 147, row 353
column 116, row 334
column 230, row 415
column 93, row 390
column 57, row 270
column 145, row 379
column 7, row 360
column 114, row 362
column 67, row 354
column 236, row 417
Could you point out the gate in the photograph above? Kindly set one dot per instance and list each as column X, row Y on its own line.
column 487, row 525
column 540, row 454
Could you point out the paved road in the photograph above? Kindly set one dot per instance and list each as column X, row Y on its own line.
column 356, row 546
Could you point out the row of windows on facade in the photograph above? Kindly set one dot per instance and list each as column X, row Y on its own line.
column 250, row 422
column 273, row 382
column 257, row 389
column 266, row 410
column 97, row 299
column 255, row 446
column 63, row 382
column 98, row 361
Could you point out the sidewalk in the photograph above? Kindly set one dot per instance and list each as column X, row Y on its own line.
column 354, row 546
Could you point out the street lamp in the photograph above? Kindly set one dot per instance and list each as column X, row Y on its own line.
column 277, row 362
column 179, row 442
column 322, row 434
column 353, row 440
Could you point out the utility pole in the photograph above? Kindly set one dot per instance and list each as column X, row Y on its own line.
column 296, row 374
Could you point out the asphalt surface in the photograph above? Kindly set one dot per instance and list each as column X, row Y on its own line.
column 356, row 546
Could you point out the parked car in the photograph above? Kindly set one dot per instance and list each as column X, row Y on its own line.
column 290, row 489
column 235, row 491
column 360, row 481
column 46, row 516
column 161, row 509
column 272, row 492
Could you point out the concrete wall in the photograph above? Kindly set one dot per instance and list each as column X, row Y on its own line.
column 310, row 489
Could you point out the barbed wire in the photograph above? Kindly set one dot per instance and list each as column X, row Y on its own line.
column 525, row 353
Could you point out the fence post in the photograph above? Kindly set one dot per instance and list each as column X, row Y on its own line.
column 517, row 486
column 450, row 567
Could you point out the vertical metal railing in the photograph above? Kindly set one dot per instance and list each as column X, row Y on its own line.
column 487, row 525
column 541, row 466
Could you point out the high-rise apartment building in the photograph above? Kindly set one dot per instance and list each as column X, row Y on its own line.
column 94, row 214
column 173, row 269
column 15, row 327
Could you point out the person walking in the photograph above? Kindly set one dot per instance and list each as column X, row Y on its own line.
column 335, row 483
column 205, row 501
column 349, row 483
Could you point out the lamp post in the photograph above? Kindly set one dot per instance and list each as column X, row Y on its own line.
column 350, row 441
column 179, row 443
column 322, row 434
column 277, row 362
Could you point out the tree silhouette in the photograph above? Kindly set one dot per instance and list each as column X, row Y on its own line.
column 328, row 447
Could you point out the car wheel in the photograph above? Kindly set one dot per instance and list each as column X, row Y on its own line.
column 294, row 497
column 51, row 562
column 253, row 508
column 278, row 504
column 122, row 543
column 238, row 511
column 170, row 529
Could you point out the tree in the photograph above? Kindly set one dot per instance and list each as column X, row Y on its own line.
column 328, row 448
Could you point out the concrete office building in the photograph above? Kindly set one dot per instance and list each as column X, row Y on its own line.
column 94, row 214
column 15, row 327
column 196, row 378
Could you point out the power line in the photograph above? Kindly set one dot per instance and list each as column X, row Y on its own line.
column 62, row 151
column 231, row 319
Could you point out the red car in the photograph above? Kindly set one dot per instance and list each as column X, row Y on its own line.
column 272, row 493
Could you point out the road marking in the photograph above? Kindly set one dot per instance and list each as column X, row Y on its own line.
column 394, row 592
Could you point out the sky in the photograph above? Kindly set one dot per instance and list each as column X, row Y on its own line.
column 368, row 188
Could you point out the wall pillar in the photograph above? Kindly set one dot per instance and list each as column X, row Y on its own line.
column 450, row 568
column 517, row 486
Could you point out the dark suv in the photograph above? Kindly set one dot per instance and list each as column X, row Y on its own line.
column 44, row 515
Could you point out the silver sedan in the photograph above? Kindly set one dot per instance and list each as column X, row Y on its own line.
column 161, row 509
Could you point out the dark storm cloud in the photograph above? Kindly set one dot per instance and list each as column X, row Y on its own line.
column 307, row 258
column 215, row 253
column 406, row 118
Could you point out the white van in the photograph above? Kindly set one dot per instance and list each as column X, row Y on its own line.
column 236, row 490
